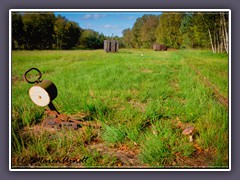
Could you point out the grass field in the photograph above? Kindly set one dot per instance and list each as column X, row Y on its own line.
column 141, row 101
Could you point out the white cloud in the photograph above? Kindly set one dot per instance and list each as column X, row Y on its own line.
column 93, row 16
column 130, row 17
column 88, row 25
column 109, row 26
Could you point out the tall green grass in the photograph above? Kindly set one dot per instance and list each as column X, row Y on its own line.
column 138, row 96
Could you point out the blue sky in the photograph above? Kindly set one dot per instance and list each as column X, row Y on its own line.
column 107, row 23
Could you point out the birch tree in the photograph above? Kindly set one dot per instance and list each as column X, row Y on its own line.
column 216, row 23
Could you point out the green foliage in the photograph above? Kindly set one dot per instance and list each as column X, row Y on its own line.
column 45, row 31
column 174, row 29
column 180, row 30
column 142, row 35
column 167, row 31
column 148, row 30
column 194, row 32
column 67, row 33
column 91, row 40
column 17, row 31
column 127, row 38
column 136, row 33
column 38, row 30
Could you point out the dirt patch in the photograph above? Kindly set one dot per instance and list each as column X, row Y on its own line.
column 126, row 156
column 146, row 71
column 90, row 136
column 91, row 93
column 134, row 92
column 16, row 79
column 138, row 105
column 48, row 123
column 174, row 83
column 199, row 159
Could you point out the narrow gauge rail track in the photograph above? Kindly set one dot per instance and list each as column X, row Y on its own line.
column 221, row 98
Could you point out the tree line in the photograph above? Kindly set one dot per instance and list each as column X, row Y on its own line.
column 180, row 30
column 175, row 30
column 47, row 31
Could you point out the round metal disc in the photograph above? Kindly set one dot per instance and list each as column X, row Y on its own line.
column 39, row 96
